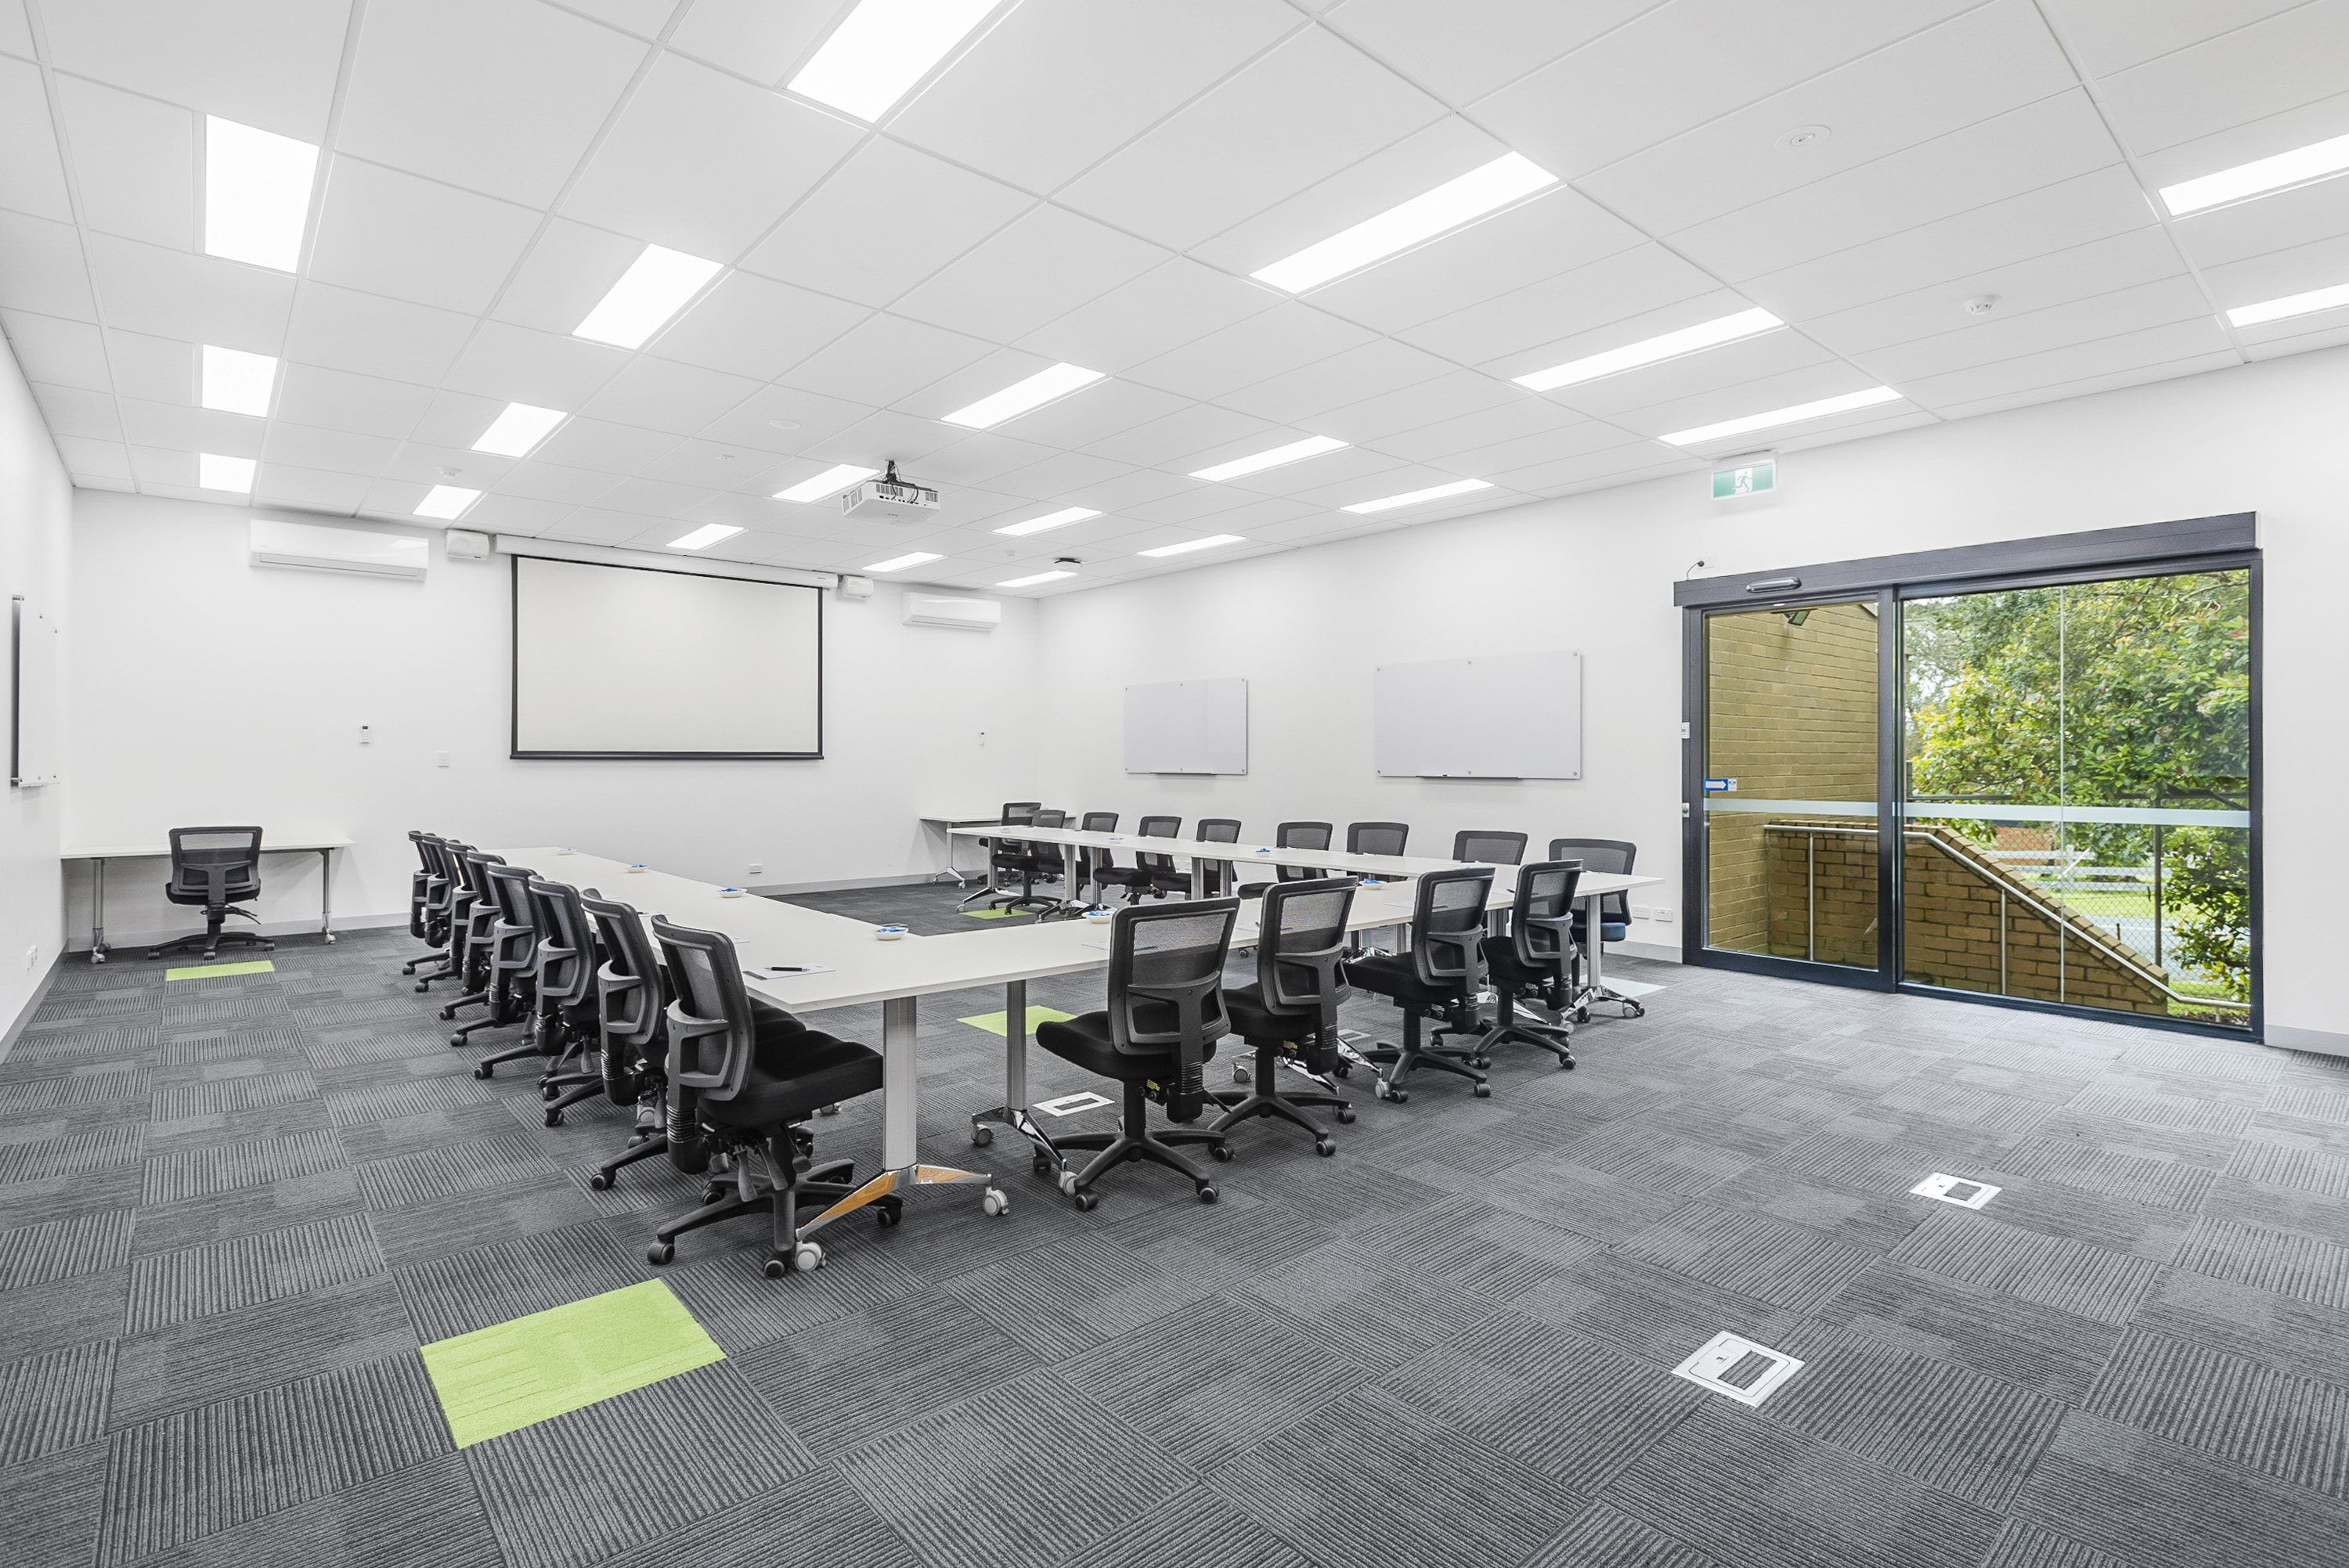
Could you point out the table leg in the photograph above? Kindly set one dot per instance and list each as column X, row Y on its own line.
column 97, row 909
column 1594, row 989
column 901, row 1167
column 989, row 887
column 327, row 895
column 1013, row 1112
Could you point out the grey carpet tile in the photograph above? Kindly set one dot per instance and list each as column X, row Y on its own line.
column 2074, row 1215
column 2051, row 1270
column 2274, row 1208
column 815, row 1521
column 1649, row 1313
column 1880, row 1166
column 2125, row 1492
column 1345, row 1292
column 59, row 1249
column 67, row 1197
column 632, row 1469
column 206, row 1171
column 1784, row 1265
column 2312, row 1102
column 524, row 1207
column 52, row 1507
column 2049, row 1353
column 379, row 1010
column 1215, row 1377
column 2156, row 1184
column 223, row 1276
column 257, row 1010
column 2277, row 1331
column 741, row 1308
column 370, row 1142
column 181, row 1102
column 470, row 1290
column 1227, row 1245
column 478, row 1165
column 2188, row 1112
column 2175, row 1145
column 54, row 1400
column 102, row 1148
column 205, row 1047
column 211, row 1359
column 1071, row 1296
column 1963, row 1105
column 426, row 1513
column 120, row 1083
column 204, row 1471
column 1876, row 1224
column 361, row 1051
column 298, row 1200
column 2082, row 1059
column 1026, row 1473
column 405, row 1096
column 2280, row 1260
column 60, row 1313
column 2279, row 1163
column 1564, row 1405
column 2207, row 1058
column 2028, row 1547
column 269, row 1123
column 1759, row 1494
column 1487, row 1250
column 1552, row 1188
column 2294, row 1427
column 1194, row 1528
column 872, row 1370
column 50, row 1043
column 1662, row 1163
column 2301, row 1131
column 1953, row 1429
column 2049, row 1083
column 1373, row 1480
column 1604, row 1535
column 1755, row 1126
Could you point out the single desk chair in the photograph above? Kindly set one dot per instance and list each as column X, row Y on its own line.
column 1439, row 977
column 1377, row 838
column 568, row 1022
column 473, row 915
column 1165, row 1014
column 1147, row 869
column 632, row 1019
column 1218, row 874
column 211, row 868
column 1489, row 845
column 1605, row 856
column 743, row 1078
column 1292, row 1011
column 1033, row 862
column 1292, row 836
column 1535, row 961
column 439, row 876
column 513, row 966
column 1003, row 855
column 1084, row 888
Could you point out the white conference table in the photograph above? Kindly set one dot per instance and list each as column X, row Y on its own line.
column 945, row 826
column 98, row 854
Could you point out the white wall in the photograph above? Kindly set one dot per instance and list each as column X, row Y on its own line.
column 36, row 512
column 258, row 721
column 1595, row 572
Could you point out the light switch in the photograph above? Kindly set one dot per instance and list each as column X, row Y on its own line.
column 366, row 733
column 443, row 757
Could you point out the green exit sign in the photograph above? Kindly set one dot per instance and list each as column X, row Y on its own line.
column 1752, row 475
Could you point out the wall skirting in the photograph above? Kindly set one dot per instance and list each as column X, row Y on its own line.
column 32, row 1006
column 2323, row 1042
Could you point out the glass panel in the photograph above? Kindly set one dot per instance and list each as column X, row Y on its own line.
column 1790, row 798
column 2077, row 821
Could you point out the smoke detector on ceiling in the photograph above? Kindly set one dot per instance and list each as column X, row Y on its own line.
column 1981, row 304
column 1804, row 136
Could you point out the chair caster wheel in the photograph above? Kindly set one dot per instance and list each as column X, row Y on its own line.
column 981, row 1135
column 423, row 986
column 1484, row 1092
column 1087, row 1200
column 1239, row 1075
column 485, row 1071
column 1566, row 1063
column 1222, row 1151
column 826, row 1110
column 601, row 1180
column 554, row 1118
column 886, row 1215
column 548, row 1091
column 446, row 1014
column 1042, row 1166
column 659, row 1253
column 995, row 1202
column 806, row 1258
column 776, row 1268
column 1582, row 1015
column 711, row 1194
column 1207, row 1193
column 1346, row 1113
column 1480, row 1062
column 1067, row 1181
column 1325, row 1146
column 1344, row 1069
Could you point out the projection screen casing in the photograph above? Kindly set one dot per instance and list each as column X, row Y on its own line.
column 635, row 662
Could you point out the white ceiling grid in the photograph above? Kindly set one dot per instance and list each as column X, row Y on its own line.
column 1092, row 181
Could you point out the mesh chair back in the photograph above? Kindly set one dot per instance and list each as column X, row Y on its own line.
column 628, row 985
column 1299, row 953
column 1218, row 874
column 1089, row 861
column 1542, row 918
column 1377, row 838
column 1488, row 845
column 440, row 883
column 567, row 944
column 1447, row 927
column 1301, row 836
column 516, row 936
column 1098, row 822
column 1009, row 852
column 1048, row 857
column 218, row 865
column 1166, row 990
column 1604, row 857
column 710, row 1024
column 1158, row 827
column 420, row 882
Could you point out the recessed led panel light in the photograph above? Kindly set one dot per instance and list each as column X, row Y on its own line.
column 702, row 538
column 1508, row 178
column 447, row 503
column 1060, row 518
column 1295, row 451
column 1031, row 581
column 1670, row 345
column 513, row 433
column 653, row 288
column 1188, row 545
column 830, row 482
column 236, row 382
column 2291, row 305
column 256, row 195
column 216, row 472
column 2258, row 177
column 1796, row 415
column 1053, row 381
column 899, row 562
column 874, row 57
column 1413, row 498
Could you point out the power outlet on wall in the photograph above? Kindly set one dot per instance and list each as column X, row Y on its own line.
column 32, row 955
column 1664, row 914
column 1642, row 912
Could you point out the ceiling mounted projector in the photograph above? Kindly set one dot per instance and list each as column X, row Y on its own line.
column 888, row 497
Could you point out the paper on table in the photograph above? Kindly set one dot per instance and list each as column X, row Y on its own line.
column 783, row 971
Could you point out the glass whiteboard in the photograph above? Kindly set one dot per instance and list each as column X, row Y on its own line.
column 1500, row 715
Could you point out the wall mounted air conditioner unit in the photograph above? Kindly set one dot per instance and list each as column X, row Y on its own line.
column 316, row 549
column 962, row 615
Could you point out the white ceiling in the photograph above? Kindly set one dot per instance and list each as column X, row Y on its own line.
column 1092, row 181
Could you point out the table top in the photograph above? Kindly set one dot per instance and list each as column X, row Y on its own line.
column 1268, row 855
column 270, row 845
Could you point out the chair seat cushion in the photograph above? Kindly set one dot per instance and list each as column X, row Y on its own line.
column 1501, row 958
column 793, row 1070
column 1085, row 1041
column 1394, row 974
column 1257, row 1021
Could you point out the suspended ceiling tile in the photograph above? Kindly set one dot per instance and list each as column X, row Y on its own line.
column 755, row 327
column 514, row 363
column 265, row 63
column 2005, row 339
column 2278, row 63
column 339, row 400
column 1038, row 267
column 418, row 240
column 42, row 270
column 370, row 336
column 1464, row 49
column 31, row 175
column 1157, row 313
column 60, row 352
column 1281, row 339
column 662, row 394
column 201, row 299
column 1511, row 335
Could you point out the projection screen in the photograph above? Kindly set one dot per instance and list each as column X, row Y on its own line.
column 632, row 662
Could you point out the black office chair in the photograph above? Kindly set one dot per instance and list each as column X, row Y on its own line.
column 472, row 916
column 1147, row 868
column 1218, row 874
column 419, row 885
column 1534, row 963
column 1605, row 857
column 211, row 868
column 743, row 1077
column 632, row 1019
column 1292, row 836
column 567, row 1022
column 1439, row 977
column 1039, row 862
column 1003, row 854
column 1086, row 862
column 440, row 892
column 1377, row 838
column 513, row 966
column 1165, row 1014
column 1490, row 845
column 1292, row 1011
